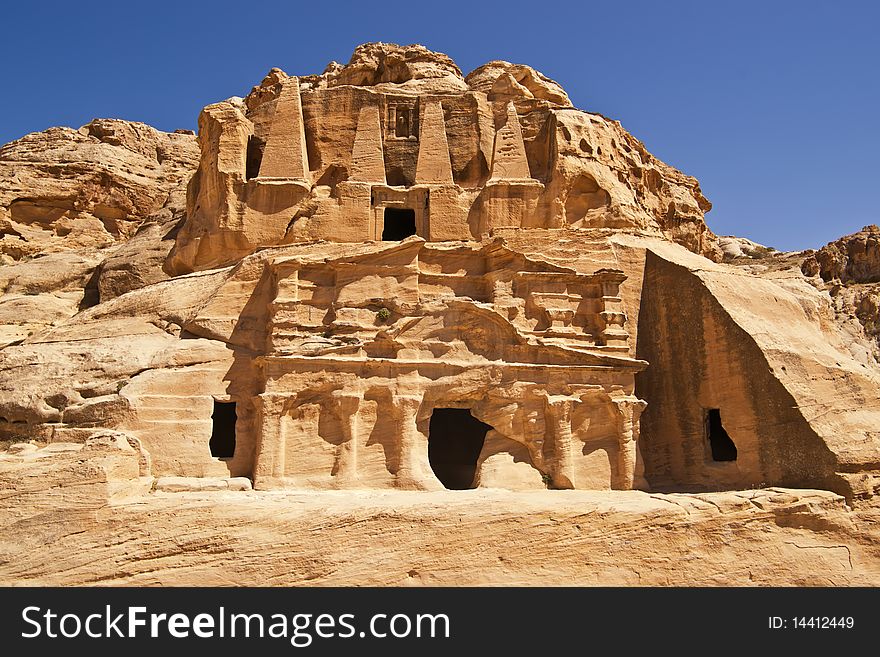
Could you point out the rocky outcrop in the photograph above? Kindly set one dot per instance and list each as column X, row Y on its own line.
column 64, row 189
column 105, row 467
column 69, row 375
column 44, row 291
column 411, row 68
column 858, row 310
column 605, row 178
column 70, row 201
column 735, row 249
column 505, row 81
column 849, row 269
column 387, row 67
column 851, row 259
column 138, row 261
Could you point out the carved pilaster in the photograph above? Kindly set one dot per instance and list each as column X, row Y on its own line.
column 367, row 160
column 433, row 165
column 557, row 411
column 345, row 406
column 285, row 154
column 414, row 471
column 612, row 318
column 628, row 411
column 270, row 448
column 509, row 161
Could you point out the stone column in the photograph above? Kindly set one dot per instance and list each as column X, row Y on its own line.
column 414, row 471
column 628, row 411
column 270, row 444
column 345, row 406
column 557, row 416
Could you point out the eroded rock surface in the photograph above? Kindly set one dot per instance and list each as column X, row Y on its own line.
column 83, row 518
column 390, row 279
column 851, row 259
column 64, row 189
column 86, row 215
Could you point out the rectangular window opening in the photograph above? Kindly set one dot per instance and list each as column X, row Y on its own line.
column 223, row 430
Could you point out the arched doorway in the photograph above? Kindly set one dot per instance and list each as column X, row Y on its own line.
column 455, row 440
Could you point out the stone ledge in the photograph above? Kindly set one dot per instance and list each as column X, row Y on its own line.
column 447, row 538
column 201, row 484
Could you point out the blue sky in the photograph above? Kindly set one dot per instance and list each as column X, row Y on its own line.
column 773, row 106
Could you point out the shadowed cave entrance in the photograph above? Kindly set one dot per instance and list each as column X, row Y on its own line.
column 223, row 430
column 723, row 448
column 455, row 439
column 400, row 223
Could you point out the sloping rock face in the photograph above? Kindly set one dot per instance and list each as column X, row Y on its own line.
column 86, row 215
column 218, row 537
column 576, row 169
column 395, row 278
column 64, row 189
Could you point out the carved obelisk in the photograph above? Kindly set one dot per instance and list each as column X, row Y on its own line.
column 285, row 154
column 367, row 158
column 433, row 166
column 509, row 160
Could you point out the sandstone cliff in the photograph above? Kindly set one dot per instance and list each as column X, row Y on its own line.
column 86, row 215
column 63, row 189
column 559, row 284
column 851, row 259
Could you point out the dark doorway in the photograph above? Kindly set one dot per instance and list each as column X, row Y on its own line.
column 253, row 157
column 399, row 224
column 722, row 446
column 223, row 432
column 455, row 439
